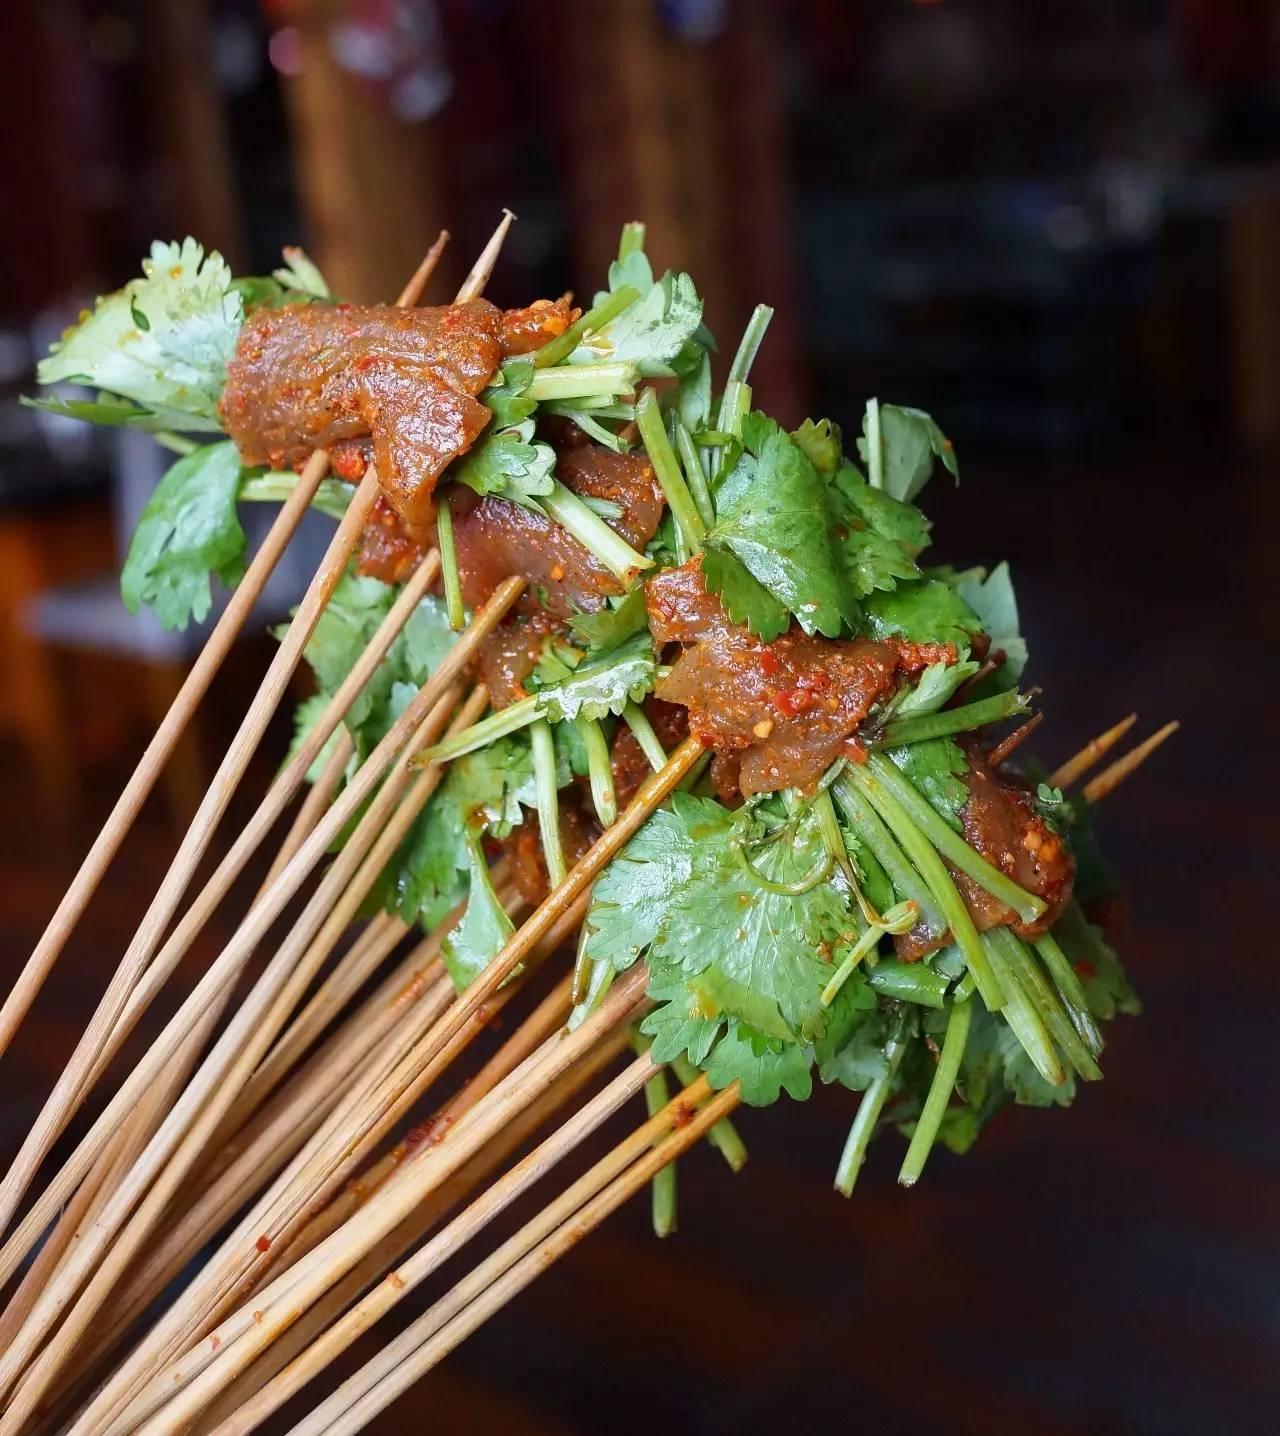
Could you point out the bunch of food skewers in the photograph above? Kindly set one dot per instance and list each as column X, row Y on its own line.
column 606, row 662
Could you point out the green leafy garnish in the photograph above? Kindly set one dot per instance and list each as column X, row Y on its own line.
column 484, row 928
column 162, row 342
column 908, row 443
column 187, row 531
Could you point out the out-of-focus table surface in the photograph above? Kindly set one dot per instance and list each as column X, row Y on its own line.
column 1114, row 1267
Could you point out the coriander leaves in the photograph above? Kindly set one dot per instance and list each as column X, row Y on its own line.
column 188, row 531
column 162, row 342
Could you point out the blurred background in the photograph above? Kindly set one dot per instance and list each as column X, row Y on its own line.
column 1055, row 226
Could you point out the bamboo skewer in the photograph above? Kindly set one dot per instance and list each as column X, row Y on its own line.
column 282, row 790
column 202, row 1372
column 423, row 1218
column 105, row 846
column 454, row 1236
column 473, row 286
column 192, row 1119
column 1095, row 749
column 255, row 926
column 74, row 902
column 1006, row 747
column 469, row 1304
column 61, row 1102
column 1110, row 778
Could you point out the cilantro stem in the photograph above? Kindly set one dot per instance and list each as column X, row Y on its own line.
column 869, row 1109
column 723, row 1135
column 908, row 982
column 940, row 1090
column 331, row 497
column 554, row 350
column 632, row 238
column 175, row 443
column 587, row 422
column 1022, row 963
column 600, row 770
column 819, row 873
column 1071, row 990
column 735, row 405
column 856, row 953
column 582, row 381
column 591, row 531
column 870, row 828
column 955, row 720
column 711, row 439
column 599, row 983
column 656, row 1096
column 1023, row 1019
column 694, row 473
column 642, row 731
column 931, row 867
column 950, row 843
column 749, row 344
column 666, row 468
column 497, row 725
column 548, row 799
column 449, row 566
column 875, row 448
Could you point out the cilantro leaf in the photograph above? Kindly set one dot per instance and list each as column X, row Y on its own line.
column 603, row 686
column 678, row 1023
column 745, row 600
column 993, row 600
column 162, row 341
column 651, row 333
column 680, row 890
column 187, row 531
column 882, row 514
column 1106, row 987
column 909, row 443
column 612, row 625
column 935, row 767
column 860, row 1059
column 301, row 274
column 104, row 410
column 506, row 401
column 765, row 1070
column 630, row 899
column 484, row 792
column 483, row 929
column 934, row 686
column 771, row 513
column 852, row 1008
column 820, row 440
column 356, row 607
column 508, row 463
column 926, row 611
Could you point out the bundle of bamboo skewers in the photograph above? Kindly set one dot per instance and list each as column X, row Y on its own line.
column 270, row 1122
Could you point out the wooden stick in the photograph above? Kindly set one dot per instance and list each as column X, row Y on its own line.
column 188, row 1125
column 411, row 1231
column 550, row 918
column 204, row 1371
column 318, row 798
column 105, row 846
column 473, row 285
column 286, row 784
column 413, row 291
column 1110, row 778
column 231, row 960
column 541, row 1242
column 1076, row 767
column 62, row 1102
column 533, row 1031
column 141, row 1125
column 194, row 686
column 1006, row 747
column 468, row 1224
column 330, row 1154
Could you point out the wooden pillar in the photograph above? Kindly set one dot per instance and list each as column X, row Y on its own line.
column 192, row 126
column 690, row 138
column 368, row 183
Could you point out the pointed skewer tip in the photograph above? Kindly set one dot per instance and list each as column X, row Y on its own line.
column 1111, row 778
column 1093, row 751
